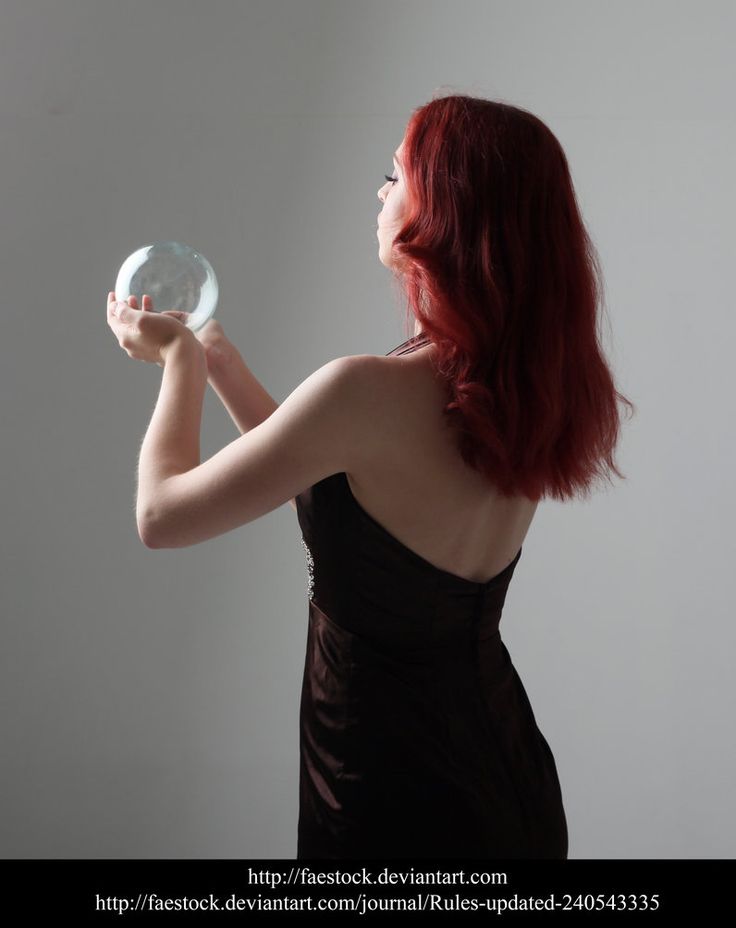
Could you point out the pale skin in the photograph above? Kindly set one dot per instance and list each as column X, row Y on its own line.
column 182, row 501
column 376, row 418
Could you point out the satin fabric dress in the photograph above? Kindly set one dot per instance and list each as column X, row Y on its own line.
column 416, row 736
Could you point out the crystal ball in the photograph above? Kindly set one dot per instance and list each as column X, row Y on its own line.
column 175, row 276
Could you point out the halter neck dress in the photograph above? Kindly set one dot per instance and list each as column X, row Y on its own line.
column 416, row 736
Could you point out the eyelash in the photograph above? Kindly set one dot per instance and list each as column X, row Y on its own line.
column 392, row 179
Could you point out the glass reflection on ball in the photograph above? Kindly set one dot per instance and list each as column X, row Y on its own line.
column 175, row 276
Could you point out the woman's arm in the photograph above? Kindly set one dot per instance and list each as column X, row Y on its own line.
column 240, row 391
column 323, row 427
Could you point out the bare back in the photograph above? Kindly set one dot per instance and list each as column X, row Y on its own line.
column 417, row 486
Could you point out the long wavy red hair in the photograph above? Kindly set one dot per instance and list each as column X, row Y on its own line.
column 494, row 260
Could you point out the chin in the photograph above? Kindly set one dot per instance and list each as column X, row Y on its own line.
column 383, row 258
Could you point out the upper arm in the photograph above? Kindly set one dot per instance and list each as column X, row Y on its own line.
column 315, row 432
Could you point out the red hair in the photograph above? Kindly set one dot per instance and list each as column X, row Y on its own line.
column 495, row 262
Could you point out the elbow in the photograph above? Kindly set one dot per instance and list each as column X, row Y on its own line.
column 148, row 541
column 147, row 532
column 156, row 533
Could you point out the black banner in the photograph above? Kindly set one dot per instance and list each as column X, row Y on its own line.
column 495, row 891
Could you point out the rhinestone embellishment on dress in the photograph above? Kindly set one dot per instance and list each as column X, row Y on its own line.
column 310, row 569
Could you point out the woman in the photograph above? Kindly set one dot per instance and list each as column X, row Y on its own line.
column 415, row 477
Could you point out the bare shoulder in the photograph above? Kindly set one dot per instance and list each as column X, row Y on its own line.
column 352, row 393
column 384, row 379
column 368, row 397
column 338, row 384
column 394, row 404
column 351, row 381
column 378, row 408
column 334, row 404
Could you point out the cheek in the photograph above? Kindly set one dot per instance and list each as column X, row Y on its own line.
column 394, row 213
column 392, row 205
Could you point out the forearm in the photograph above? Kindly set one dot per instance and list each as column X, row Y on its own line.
column 171, row 442
column 242, row 394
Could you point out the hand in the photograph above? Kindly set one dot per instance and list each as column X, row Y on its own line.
column 144, row 334
column 218, row 349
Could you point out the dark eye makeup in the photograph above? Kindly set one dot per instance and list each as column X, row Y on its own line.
column 392, row 179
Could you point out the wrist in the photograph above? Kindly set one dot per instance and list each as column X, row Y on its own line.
column 185, row 345
column 221, row 357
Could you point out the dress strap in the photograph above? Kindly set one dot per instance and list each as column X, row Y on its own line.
column 411, row 344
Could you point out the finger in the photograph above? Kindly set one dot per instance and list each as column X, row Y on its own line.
column 147, row 303
column 120, row 311
column 133, row 301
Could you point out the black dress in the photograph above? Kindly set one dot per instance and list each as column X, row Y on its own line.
column 416, row 736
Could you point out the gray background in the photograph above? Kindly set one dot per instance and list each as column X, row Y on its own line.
column 150, row 697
